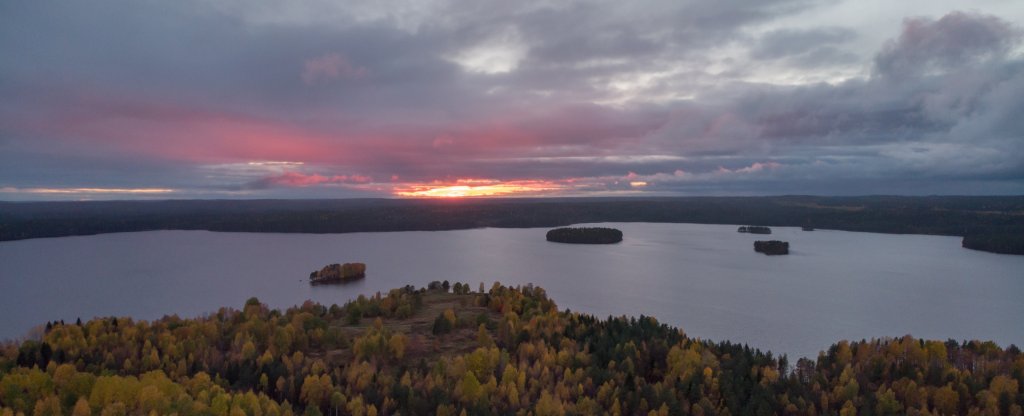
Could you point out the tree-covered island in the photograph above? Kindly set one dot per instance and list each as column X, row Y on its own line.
column 772, row 247
column 338, row 273
column 754, row 229
column 585, row 235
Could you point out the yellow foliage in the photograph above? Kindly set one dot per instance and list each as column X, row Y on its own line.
column 946, row 400
column 848, row 409
column 449, row 315
column 1003, row 384
column 470, row 387
column 548, row 405
column 81, row 408
column 49, row 406
column 397, row 345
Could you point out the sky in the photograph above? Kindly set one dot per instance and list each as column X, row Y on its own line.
column 381, row 98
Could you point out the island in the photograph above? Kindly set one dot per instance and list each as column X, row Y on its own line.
column 754, row 229
column 772, row 247
column 585, row 235
column 338, row 273
column 807, row 228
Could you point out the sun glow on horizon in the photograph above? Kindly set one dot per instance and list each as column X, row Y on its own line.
column 464, row 188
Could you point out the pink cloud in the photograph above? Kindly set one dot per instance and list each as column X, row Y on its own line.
column 296, row 179
column 758, row 166
column 328, row 67
column 442, row 141
column 576, row 129
column 91, row 122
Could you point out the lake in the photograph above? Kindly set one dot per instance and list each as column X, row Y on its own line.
column 704, row 278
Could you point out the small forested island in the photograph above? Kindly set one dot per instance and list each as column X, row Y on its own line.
column 754, row 229
column 338, row 273
column 585, row 235
column 807, row 228
column 772, row 247
column 449, row 350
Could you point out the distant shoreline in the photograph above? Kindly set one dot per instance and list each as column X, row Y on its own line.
column 989, row 223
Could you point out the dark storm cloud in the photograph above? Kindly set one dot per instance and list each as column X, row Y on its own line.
column 601, row 30
column 360, row 98
column 956, row 40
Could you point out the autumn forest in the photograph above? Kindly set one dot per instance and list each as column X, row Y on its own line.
column 452, row 349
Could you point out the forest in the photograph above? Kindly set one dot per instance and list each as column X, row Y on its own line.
column 451, row 350
column 990, row 223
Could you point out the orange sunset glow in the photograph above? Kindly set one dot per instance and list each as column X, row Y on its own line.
column 462, row 188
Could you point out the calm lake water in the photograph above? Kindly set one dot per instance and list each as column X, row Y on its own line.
column 704, row 278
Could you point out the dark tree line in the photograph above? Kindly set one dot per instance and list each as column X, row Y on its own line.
column 995, row 242
column 993, row 223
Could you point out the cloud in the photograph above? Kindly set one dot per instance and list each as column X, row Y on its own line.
column 86, row 191
column 756, row 167
column 329, row 67
column 956, row 40
column 498, row 54
column 296, row 179
column 782, row 43
column 740, row 97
